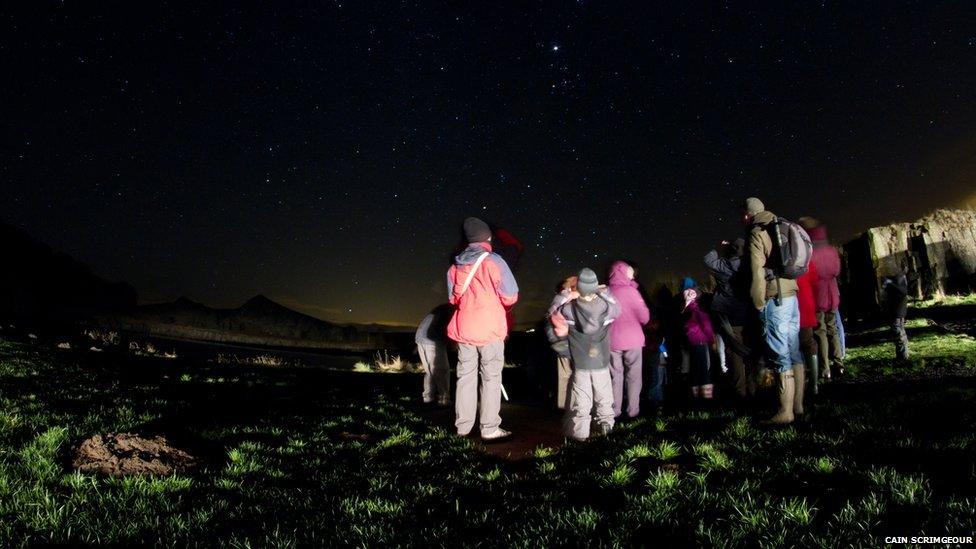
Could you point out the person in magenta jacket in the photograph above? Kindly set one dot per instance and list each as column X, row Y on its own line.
column 701, row 339
column 627, row 339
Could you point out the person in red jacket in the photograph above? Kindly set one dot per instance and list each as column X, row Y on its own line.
column 827, row 293
column 482, row 287
column 510, row 249
column 806, row 295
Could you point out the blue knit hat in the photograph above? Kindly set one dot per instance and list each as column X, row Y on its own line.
column 688, row 282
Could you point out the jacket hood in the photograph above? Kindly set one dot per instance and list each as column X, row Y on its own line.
column 763, row 218
column 618, row 275
column 818, row 233
column 471, row 254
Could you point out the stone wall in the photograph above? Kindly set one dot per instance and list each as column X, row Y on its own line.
column 938, row 251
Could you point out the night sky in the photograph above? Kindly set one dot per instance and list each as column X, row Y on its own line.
column 325, row 154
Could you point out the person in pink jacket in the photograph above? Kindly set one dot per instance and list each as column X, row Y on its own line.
column 627, row 339
column 482, row 287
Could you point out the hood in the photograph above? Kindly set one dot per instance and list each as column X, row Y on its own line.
column 618, row 275
column 471, row 254
column 764, row 218
column 818, row 233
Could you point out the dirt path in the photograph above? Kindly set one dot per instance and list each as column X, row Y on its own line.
column 531, row 427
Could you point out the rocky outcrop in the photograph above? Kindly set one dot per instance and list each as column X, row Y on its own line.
column 938, row 252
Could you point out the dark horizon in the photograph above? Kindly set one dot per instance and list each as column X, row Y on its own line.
column 325, row 157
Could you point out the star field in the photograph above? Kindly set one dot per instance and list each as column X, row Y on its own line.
column 326, row 154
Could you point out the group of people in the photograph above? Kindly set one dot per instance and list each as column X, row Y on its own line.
column 775, row 305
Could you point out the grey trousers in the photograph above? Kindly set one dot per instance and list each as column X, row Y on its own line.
column 437, row 371
column 488, row 360
column 901, row 338
column 564, row 373
column 828, row 337
column 592, row 399
column 625, row 371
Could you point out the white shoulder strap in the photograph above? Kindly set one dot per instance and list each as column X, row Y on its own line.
column 474, row 269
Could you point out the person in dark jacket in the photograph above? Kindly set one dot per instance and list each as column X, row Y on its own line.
column 730, row 307
column 896, row 306
column 588, row 320
column 431, row 340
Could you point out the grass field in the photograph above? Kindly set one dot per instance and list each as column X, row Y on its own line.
column 295, row 458
column 934, row 350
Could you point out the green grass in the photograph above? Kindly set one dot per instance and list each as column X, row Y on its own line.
column 292, row 459
column 947, row 301
column 932, row 349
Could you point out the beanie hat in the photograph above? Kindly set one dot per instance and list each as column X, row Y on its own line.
column 753, row 206
column 476, row 230
column 687, row 283
column 587, row 283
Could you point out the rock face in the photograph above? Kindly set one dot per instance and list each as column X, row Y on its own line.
column 938, row 251
column 128, row 454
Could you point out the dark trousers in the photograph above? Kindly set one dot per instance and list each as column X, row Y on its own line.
column 701, row 365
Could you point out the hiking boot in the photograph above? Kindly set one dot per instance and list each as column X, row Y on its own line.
column 497, row 434
column 787, row 392
column 799, row 377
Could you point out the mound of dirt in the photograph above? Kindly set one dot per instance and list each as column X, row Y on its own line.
column 128, row 454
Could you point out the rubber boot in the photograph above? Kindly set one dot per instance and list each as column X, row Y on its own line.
column 787, row 391
column 814, row 362
column 799, row 383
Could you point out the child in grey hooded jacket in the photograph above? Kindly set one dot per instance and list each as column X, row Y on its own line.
column 588, row 320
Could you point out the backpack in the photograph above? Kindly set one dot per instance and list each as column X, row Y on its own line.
column 792, row 249
column 559, row 344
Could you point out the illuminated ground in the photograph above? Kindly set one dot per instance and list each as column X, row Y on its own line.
column 306, row 457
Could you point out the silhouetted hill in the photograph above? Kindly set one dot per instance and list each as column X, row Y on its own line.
column 39, row 284
column 259, row 321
